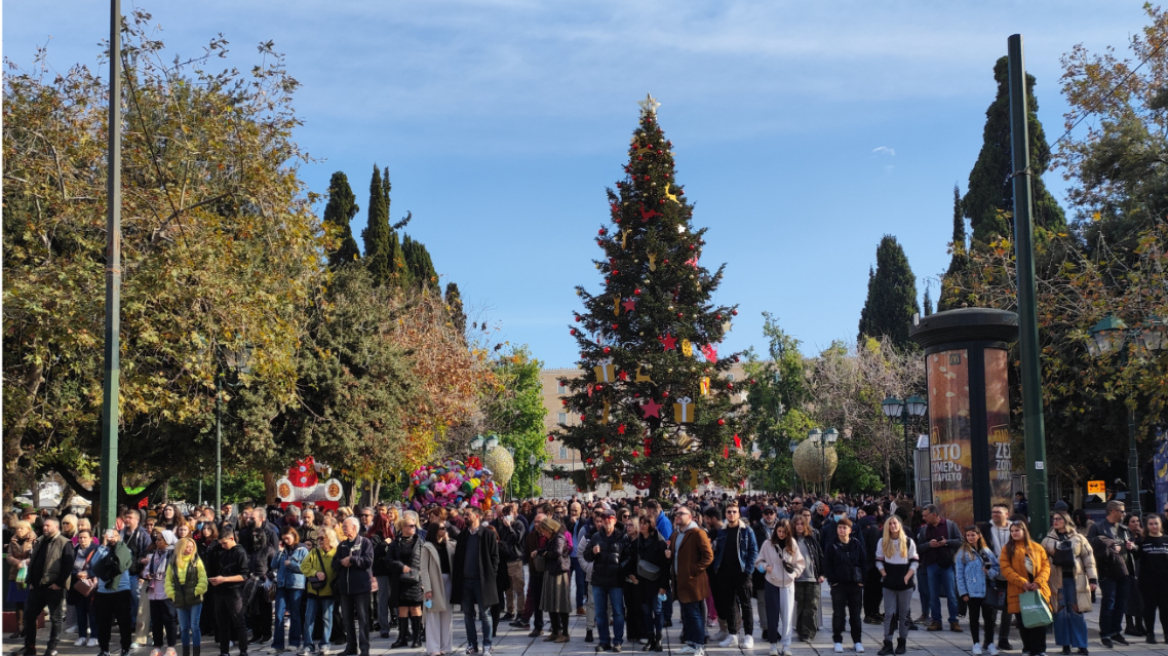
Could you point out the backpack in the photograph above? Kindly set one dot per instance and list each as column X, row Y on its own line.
column 1064, row 554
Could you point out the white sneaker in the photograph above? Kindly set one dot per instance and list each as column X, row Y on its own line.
column 688, row 649
column 728, row 641
column 93, row 643
column 976, row 648
column 72, row 629
column 748, row 642
column 839, row 648
column 81, row 642
column 156, row 652
column 775, row 649
column 859, row 647
column 134, row 645
column 993, row 650
column 170, row 651
column 719, row 637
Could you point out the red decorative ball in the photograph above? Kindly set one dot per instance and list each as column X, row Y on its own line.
column 601, row 231
column 680, row 315
column 718, row 317
column 672, row 479
column 577, row 317
column 646, row 178
column 572, row 331
column 707, row 480
column 753, row 381
column 636, row 395
column 557, row 477
column 662, row 201
column 736, row 358
column 734, row 312
column 565, row 405
column 691, row 247
column 636, row 453
column 607, row 350
column 583, row 418
column 665, row 393
column 599, row 387
column 636, row 292
column 615, row 272
column 729, row 385
column 721, row 422
column 615, row 326
column 666, row 261
column 551, row 438
column 589, row 461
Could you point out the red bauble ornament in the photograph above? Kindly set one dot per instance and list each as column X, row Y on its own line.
column 729, row 385
column 577, row 317
column 601, row 231
column 572, row 331
column 646, row 178
column 661, row 202
column 666, row 261
column 615, row 326
column 557, row 477
column 680, row 315
column 636, row 292
column 672, row 479
column 599, row 387
column 589, row 461
column 691, row 247
column 636, row 395
column 585, row 418
column 565, row 402
column 753, row 381
column 721, row 422
column 607, row 350
column 734, row 312
column 718, row 317
column 636, row 453
column 736, row 358
column 615, row 272
column 707, row 480
column 665, row 394
column 551, row 438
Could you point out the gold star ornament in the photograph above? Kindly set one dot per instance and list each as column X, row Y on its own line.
column 649, row 104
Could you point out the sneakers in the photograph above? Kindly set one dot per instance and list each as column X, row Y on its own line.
column 859, row 647
column 486, row 650
column 471, row 650
column 688, row 649
column 304, row 651
column 1119, row 639
column 170, row 651
column 134, row 645
column 155, row 652
column 728, row 641
column 976, row 649
column 839, row 648
column 1004, row 645
column 72, row 629
column 748, row 642
column 719, row 637
column 1107, row 643
column 81, row 642
column 992, row 649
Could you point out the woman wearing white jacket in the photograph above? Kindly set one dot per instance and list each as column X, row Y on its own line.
column 437, row 556
column 781, row 561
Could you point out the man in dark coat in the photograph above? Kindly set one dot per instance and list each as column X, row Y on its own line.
column 473, row 574
column 49, row 568
column 353, row 562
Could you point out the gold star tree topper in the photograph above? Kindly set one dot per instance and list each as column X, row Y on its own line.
column 649, row 104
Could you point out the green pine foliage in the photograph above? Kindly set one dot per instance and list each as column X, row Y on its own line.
column 928, row 309
column 418, row 263
column 892, row 296
column 453, row 301
column 377, row 235
column 989, row 200
column 650, row 260
column 958, row 263
column 340, row 210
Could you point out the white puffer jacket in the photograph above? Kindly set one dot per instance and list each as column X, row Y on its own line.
column 774, row 558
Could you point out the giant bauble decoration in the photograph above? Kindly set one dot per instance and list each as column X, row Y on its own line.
column 809, row 461
column 500, row 462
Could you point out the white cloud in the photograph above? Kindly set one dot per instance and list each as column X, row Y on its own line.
column 884, row 150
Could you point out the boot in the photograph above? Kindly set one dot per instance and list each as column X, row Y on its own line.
column 416, row 628
column 196, row 649
column 588, row 635
column 899, row 646
column 403, row 634
column 657, row 643
column 886, row 649
column 186, row 650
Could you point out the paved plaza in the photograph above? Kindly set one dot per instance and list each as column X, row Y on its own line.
column 514, row 642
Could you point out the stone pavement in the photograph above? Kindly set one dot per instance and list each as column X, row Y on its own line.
column 514, row 642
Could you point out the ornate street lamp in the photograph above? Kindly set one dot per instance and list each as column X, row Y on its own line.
column 824, row 438
column 905, row 411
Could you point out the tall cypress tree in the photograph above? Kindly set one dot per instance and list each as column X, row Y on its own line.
column 453, row 301
column 420, row 266
column 340, row 210
column 655, row 406
column 928, row 309
column 989, row 200
column 892, row 296
column 953, row 281
column 377, row 233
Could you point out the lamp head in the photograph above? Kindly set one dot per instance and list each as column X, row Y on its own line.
column 476, row 442
column 831, row 435
column 892, row 407
column 814, row 434
column 1108, row 335
column 917, row 406
column 1153, row 334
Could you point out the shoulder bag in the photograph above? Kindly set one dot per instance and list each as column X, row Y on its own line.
column 316, row 583
column 86, row 586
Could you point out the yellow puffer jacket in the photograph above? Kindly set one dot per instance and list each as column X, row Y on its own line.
column 319, row 560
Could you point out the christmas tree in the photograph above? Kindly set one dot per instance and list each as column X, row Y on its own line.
column 655, row 406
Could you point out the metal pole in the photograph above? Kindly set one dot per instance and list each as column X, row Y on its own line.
column 1133, row 463
column 1032, row 419
column 907, row 459
column 218, row 446
column 110, row 481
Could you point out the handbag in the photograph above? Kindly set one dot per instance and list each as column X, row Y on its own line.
column 85, row 587
column 995, row 595
column 539, row 563
column 1064, row 554
column 1035, row 610
column 648, row 570
column 316, row 583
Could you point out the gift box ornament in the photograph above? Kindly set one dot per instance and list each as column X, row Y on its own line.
column 683, row 410
column 605, row 371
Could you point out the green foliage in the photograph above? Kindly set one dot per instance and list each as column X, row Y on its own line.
column 342, row 207
column 380, row 240
column 238, row 486
column 418, row 263
column 651, row 258
column 516, row 414
column 453, row 300
column 959, row 261
column 854, row 475
column 892, row 296
column 989, row 198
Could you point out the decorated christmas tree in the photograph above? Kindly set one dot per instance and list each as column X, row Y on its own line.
column 656, row 406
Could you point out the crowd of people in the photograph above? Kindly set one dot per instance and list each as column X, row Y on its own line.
column 310, row 580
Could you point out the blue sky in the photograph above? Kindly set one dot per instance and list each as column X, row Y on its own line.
column 803, row 131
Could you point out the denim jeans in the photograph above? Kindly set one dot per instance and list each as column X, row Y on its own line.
column 1112, row 604
column 652, row 612
column 324, row 606
column 86, row 618
column 603, row 597
column 942, row 583
column 188, row 625
column 1070, row 628
column 287, row 599
column 922, row 582
column 693, row 623
column 472, row 601
column 581, row 583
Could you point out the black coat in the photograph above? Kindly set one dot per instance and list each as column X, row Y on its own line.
column 841, row 561
column 652, row 550
column 404, row 553
column 557, row 555
column 488, row 566
column 355, row 578
column 510, row 540
column 612, row 564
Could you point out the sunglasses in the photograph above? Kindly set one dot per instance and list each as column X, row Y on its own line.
column 411, row 526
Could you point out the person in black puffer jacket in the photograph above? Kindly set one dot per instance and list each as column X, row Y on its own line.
column 843, row 565
column 610, row 553
column 649, row 548
column 260, row 550
column 405, row 563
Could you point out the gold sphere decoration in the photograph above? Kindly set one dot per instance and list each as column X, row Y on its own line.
column 501, row 464
column 809, row 461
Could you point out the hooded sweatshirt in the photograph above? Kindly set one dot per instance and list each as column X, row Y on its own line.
column 155, row 571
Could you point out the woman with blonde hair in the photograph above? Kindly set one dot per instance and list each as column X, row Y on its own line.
column 185, row 584
column 897, row 562
column 1026, row 568
column 1072, row 580
column 317, row 568
column 405, row 565
column 807, row 584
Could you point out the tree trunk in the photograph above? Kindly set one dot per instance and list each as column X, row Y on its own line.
column 14, row 435
column 887, row 473
column 269, row 487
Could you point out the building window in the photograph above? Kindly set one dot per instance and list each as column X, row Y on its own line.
column 562, row 418
column 563, row 453
column 730, row 376
column 560, row 389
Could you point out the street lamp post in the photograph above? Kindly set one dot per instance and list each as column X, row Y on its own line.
column 824, row 438
column 1112, row 335
column 532, row 460
column 794, row 447
column 240, row 362
column 905, row 411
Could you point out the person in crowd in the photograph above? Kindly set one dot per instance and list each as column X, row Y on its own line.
column 69, row 527
column 937, row 543
column 532, row 540
column 259, row 539
column 1072, row 580
column 170, row 518
column 735, row 551
column 474, row 570
column 897, row 563
column 320, row 575
column 665, row 529
column 437, row 556
column 83, row 524
column 163, row 616
column 1153, row 560
column 710, row 519
column 610, row 553
column 635, row 630
column 50, row 566
column 870, row 523
column 843, row 566
column 1021, row 506
column 227, row 579
column 289, row 582
column 652, row 580
column 996, row 533
column 381, row 536
column 763, row 528
column 113, row 600
column 556, row 596
column 511, row 544
column 353, row 562
column 405, row 566
column 209, row 550
column 1111, row 542
column 976, row 572
column 807, row 584
column 138, row 539
column 691, row 553
column 83, row 555
column 1026, row 568
column 185, row 583
column 19, row 550
column 589, row 603
column 1135, row 602
column 574, row 527
column 781, row 562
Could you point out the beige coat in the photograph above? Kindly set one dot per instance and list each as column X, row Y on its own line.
column 432, row 574
column 1084, row 570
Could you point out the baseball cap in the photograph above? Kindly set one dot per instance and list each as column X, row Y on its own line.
column 839, row 508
